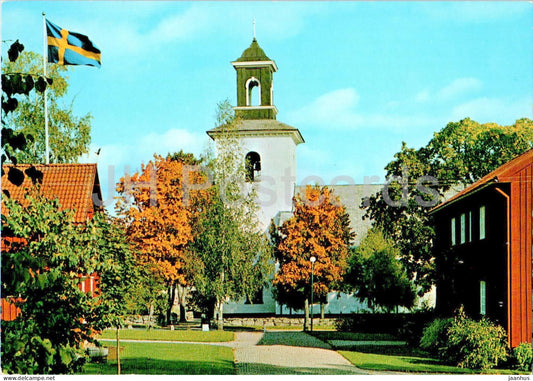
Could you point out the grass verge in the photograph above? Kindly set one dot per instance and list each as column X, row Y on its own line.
column 174, row 359
column 407, row 363
column 167, row 335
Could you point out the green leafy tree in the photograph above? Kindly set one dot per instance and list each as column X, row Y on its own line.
column 43, row 264
column 69, row 135
column 458, row 155
column 17, row 86
column 231, row 255
column 376, row 275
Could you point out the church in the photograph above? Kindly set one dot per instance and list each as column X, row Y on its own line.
column 270, row 149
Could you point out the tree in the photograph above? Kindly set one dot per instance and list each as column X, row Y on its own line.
column 15, row 86
column 231, row 254
column 375, row 274
column 69, row 135
column 158, row 220
column 458, row 155
column 43, row 265
column 319, row 228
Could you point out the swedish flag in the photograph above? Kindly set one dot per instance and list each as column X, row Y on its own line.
column 70, row 48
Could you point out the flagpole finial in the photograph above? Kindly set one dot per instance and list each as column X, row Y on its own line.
column 254, row 28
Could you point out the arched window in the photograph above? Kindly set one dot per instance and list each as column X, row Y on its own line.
column 253, row 97
column 253, row 166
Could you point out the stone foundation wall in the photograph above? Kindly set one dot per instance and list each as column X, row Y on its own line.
column 269, row 322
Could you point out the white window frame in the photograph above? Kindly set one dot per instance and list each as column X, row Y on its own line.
column 482, row 222
column 463, row 228
column 453, row 232
column 482, row 297
column 470, row 226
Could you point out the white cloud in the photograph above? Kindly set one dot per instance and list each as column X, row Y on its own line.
column 455, row 89
column 422, row 96
column 338, row 110
column 501, row 111
column 459, row 87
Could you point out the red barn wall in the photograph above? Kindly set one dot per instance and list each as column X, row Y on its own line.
column 521, row 246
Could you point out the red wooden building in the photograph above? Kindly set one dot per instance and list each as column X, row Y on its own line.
column 483, row 249
column 76, row 186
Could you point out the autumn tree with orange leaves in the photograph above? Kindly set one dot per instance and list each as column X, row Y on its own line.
column 319, row 228
column 157, row 207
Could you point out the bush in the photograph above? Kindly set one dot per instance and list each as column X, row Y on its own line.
column 523, row 356
column 465, row 342
column 435, row 336
column 475, row 344
column 406, row 326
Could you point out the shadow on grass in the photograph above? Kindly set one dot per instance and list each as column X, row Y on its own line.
column 143, row 365
column 356, row 336
column 294, row 339
column 241, row 329
column 391, row 350
column 267, row 369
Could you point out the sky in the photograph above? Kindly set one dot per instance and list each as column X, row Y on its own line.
column 356, row 78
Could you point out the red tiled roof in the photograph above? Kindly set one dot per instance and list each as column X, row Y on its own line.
column 504, row 173
column 71, row 184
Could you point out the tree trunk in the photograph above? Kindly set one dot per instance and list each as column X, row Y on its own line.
column 306, row 317
column 171, row 297
column 118, row 351
column 322, row 308
column 219, row 314
column 182, row 299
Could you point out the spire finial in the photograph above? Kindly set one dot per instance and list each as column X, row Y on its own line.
column 254, row 28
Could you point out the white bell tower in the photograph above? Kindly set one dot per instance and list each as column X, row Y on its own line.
column 269, row 146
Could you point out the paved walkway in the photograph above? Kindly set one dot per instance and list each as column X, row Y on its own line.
column 287, row 353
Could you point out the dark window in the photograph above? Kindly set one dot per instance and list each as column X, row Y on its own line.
column 253, row 166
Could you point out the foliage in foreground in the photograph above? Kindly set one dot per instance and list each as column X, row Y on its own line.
column 465, row 342
column 523, row 356
column 43, row 266
column 69, row 134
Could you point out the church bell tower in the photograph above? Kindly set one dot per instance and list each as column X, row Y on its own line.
column 269, row 146
column 255, row 74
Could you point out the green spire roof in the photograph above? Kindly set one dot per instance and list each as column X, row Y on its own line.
column 253, row 53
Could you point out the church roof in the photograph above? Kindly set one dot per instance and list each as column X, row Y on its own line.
column 261, row 127
column 253, row 53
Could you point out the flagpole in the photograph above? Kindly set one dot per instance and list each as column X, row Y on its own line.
column 45, row 58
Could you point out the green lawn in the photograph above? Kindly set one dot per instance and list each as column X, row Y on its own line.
column 168, row 335
column 356, row 336
column 408, row 363
column 163, row 358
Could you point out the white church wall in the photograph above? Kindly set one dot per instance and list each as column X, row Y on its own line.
column 278, row 174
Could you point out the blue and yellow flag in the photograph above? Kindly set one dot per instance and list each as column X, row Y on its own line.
column 70, row 48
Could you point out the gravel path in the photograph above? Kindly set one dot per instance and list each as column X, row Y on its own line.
column 287, row 353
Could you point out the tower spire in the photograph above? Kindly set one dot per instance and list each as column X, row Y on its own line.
column 254, row 28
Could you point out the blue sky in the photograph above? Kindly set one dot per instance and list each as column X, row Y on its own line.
column 357, row 78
